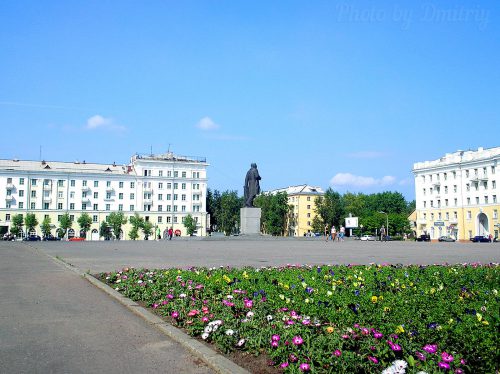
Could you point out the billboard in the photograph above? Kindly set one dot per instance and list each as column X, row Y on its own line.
column 351, row 222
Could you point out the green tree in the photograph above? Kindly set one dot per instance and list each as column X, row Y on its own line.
column 213, row 207
column 275, row 211
column 330, row 207
column 190, row 224
column 30, row 222
column 228, row 213
column 137, row 222
column 17, row 224
column 84, row 221
column 105, row 230
column 45, row 226
column 116, row 220
column 65, row 223
column 147, row 229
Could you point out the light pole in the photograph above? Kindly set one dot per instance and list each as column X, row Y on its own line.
column 387, row 222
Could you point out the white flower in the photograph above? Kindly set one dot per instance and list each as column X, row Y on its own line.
column 229, row 297
column 208, row 329
column 182, row 295
column 139, row 281
column 217, row 322
column 269, row 318
column 118, row 281
column 205, row 335
column 107, row 278
column 400, row 364
column 240, row 342
column 117, row 288
column 215, row 327
column 250, row 314
column 245, row 320
column 229, row 332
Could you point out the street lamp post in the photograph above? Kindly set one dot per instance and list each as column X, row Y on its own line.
column 386, row 222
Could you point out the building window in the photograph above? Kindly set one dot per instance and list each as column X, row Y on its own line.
column 21, row 205
column 84, row 183
column 32, row 206
column 455, row 201
column 477, row 200
column 432, row 203
column 469, row 214
column 59, row 206
column 96, row 195
column 486, row 199
column 120, row 196
column 45, row 206
column 455, row 215
column 492, row 170
column 168, row 219
column 183, row 174
column 446, row 202
column 33, row 193
column 176, row 186
column 60, row 183
column 72, row 217
column 439, row 216
column 147, row 208
column 424, row 191
column 468, row 201
column 183, row 197
column 169, row 208
column 175, row 219
column 84, row 195
column 445, row 189
column 84, row 206
column 432, row 216
column 33, row 182
column 494, row 199
column 493, row 184
column 72, row 206
column 169, row 196
column 176, row 174
column 160, row 196
column 425, row 204
column 96, row 183
column 175, row 208
column 21, row 181
column 71, row 194
column 183, row 208
column 467, row 174
column 495, row 214
column 108, row 206
column 59, row 217
column 169, row 186
column 169, row 173
column 96, row 207
column 445, row 175
column 132, row 184
column 447, row 216
column 308, row 207
column 132, row 196
column 120, row 185
column 183, row 186
column 108, row 195
column 455, row 188
column 120, row 207
column 21, row 193
column 132, row 207
column 108, row 183
column 160, row 208
column 94, row 218
column 176, row 196
column 160, row 219
column 308, row 215
column 160, row 185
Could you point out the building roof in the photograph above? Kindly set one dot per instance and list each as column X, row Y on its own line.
column 459, row 157
column 62, row 167
column 302, row 189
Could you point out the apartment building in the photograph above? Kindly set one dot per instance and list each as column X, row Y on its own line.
column 162, row 188
column 458, row 194
column 302, row 198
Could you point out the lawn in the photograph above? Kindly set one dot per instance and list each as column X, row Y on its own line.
column 331, row 319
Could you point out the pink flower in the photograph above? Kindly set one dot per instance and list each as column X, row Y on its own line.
column 377, row 335
column 443, row 365
column 275, row 338
column 337, row 353
column 306, row 322
column 304, row 367
column 164, row 302
column 365, row 331
column 284, row 365
column 297, row 340
column 373, row 359
column 459, row 371
column 274, row 344
column 248, row 303
column 204, row 319
column 170, row 296
column 446, row 357
column 430, row 348
column 155, row 306
column 175, row 314
column 394, row 346
column 293, row 358
column 420, row 356
column 462, row 361
column 193, row 312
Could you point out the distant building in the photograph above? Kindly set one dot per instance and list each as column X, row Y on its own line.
column 162, row 188
column 302, row 198
column 457, row 194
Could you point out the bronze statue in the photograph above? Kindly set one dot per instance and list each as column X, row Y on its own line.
column 252, row 186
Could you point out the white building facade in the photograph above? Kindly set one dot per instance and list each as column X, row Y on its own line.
column 458, row 194
column 163, row 189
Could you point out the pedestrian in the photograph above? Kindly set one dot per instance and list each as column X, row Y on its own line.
column 342, row 233
column 170, row 233
column 334, row 233
column 326, row 232
column 382, row 234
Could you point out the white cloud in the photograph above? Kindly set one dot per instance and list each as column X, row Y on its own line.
column 206, row 124
column 356, row 181
column 100, row 122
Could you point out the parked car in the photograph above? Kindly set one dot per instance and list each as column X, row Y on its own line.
column 9, row 237
column 423, row 238
column 50, row 237
column 32, row 238
column 446, row 239
column 480, row 239
column 75, row 239
column 370, row 238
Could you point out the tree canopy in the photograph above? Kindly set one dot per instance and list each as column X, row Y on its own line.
column 275, row 211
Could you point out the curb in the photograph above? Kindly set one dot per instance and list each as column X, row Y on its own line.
column 216, row 361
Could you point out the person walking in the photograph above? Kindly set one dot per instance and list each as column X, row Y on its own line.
column 170, row 233
column 382, row 234
column 342, row 233
column 326, row 233
column 334, row 233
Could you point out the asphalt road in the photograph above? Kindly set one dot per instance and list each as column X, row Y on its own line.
column 54, row 321
column 112, row 255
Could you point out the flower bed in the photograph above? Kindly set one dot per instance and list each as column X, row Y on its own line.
column 356, row 319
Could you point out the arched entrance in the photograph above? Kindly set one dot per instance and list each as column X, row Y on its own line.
column 94, row 235
column 482, row 224
column 71, row 233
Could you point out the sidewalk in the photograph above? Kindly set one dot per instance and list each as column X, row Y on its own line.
column 53, row 321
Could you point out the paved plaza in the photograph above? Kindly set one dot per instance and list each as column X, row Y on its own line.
column 53, row 321
column 239, row 251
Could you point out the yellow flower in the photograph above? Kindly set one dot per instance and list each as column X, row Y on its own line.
column 226, row 278
column 374, row 299
column 306, row 301
column 380, row 298
column 329, row 329
column 400, row 329
column 286, row 286
column 287, row 300
column 433, row 290
column 282, row 297
column 450, row 321
column 387, row 309
column 329, row 293
column 479, row 316
column 245, row 275
column 485, row 323
column 304, row 284
column 403, row 286
column 411, row 284
column 355, row 284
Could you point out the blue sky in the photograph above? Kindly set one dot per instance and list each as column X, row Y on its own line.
column 342, row 94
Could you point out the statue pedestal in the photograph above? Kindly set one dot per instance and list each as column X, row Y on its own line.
column 250, row 221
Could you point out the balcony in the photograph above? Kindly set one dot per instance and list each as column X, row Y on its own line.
column 10, row 186
column 110, row 189
column 47, row 187
column 86, row 200
column 46, row 199
column 148, row 200
column 9, row 198
column 147, row 189
column 85, row 188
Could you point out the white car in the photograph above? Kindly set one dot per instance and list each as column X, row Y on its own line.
column 370, row 238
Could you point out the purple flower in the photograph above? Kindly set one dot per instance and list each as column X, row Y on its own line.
column 297, row 340
column 377, row 335
column 337, row 353
column 446, row 357
column 304, row 367
column 284, row 365
column 248, row 303
column 420, row 356
column 430, row 348
column 175, row 314
column 274, row 344
column 459, row 371
column 443, row 365
column 394, row 346
column 275, row 338
column 293, row 358
column 373, row 359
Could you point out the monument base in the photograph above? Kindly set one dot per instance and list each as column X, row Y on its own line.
column 250, row 221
